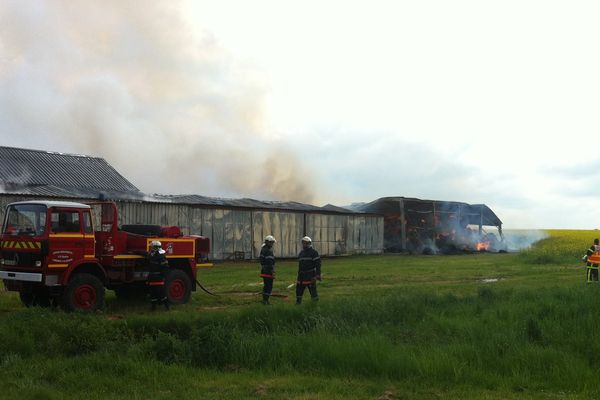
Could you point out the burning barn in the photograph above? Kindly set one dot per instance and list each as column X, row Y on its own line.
column 432, row 226
column 235, row 227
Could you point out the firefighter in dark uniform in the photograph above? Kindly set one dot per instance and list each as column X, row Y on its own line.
column 309, row 271
column 156, row 278
column 593, row 261
column 267, row 267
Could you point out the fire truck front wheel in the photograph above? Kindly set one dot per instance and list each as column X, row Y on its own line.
column 178, row 286
column 85, row 293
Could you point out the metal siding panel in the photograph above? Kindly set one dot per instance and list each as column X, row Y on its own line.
column 310, row 226
column 362, row 235
column 367, row 231
column 294, row 236
column 322, row 228
column 300, row 234
column 247, row 234
column 122, row 213
column 313, row 229
column 241, row 232
column 219, row 234
column 267, row 228
column 282, row 244
column 350, row 234
column 228, row 233
column 183, row 217
column 331, row 226
column 318, row 237
column 289, row 235
column 171, row 215
column 276, row 224
column 257, row 229
column 380, row 233
column 354, row 233
column 372, row 234
column 207, row 230
column 340, row 237
column 195, row 215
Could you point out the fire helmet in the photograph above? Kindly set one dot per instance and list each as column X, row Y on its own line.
column 156, row 243
column 307, row 239
column 270, row 238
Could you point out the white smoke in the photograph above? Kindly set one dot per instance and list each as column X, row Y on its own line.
column 128, row 81
column 523, row 239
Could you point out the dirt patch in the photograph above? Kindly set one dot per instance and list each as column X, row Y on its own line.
column 261, row 390
column 389, row 394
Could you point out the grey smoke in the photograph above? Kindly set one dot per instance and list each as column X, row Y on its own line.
column 128, row 81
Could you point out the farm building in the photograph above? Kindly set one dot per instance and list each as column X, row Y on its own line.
column 236, row 227
column 432, row 226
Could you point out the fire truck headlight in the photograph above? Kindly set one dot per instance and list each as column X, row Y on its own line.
column 38, row 263
column 1, row 261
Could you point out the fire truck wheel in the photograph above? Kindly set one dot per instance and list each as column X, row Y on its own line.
column 85, row 293
column 178, row 286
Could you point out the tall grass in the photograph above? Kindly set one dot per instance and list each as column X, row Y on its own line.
column 496, row 338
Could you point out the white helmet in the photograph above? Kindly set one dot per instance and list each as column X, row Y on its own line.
column 270, row 238
column 156, row 243
column 307, row 239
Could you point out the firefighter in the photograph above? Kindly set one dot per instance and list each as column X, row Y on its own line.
column 309, row 270
column 593, row 261
column 156, row 278
column 267, row 267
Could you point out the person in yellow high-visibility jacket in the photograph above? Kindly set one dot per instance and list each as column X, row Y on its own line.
column 593, row 261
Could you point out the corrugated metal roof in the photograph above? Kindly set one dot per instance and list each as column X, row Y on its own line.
column 25, row 167
column 250, row 203
column 52, row 191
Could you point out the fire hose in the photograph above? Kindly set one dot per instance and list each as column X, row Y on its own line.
column 205, row 289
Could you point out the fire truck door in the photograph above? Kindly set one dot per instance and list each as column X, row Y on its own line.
column 66, row 238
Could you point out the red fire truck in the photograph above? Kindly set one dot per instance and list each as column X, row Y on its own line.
column 52, row 253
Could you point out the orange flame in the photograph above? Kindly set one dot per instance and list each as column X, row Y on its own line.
column 482, row 246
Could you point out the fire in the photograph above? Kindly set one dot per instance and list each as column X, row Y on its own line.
column 482, row 246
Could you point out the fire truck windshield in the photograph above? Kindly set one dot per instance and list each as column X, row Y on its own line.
column 25, row 219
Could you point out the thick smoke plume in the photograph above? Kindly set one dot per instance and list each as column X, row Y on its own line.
column 128, row 81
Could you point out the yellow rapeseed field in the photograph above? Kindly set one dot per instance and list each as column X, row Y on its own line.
column 561, row 245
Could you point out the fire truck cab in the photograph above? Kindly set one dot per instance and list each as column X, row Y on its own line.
column 53, row 253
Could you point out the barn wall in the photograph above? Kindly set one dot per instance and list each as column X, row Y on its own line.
column 287, row 227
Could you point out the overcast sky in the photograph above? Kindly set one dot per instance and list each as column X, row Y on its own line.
column 319, row 101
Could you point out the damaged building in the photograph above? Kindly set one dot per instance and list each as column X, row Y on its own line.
column 433, row 226
column 236, row 227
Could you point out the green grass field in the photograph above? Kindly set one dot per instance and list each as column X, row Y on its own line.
column 484, row 326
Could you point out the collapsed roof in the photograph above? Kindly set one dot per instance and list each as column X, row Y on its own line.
column 473, row 214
